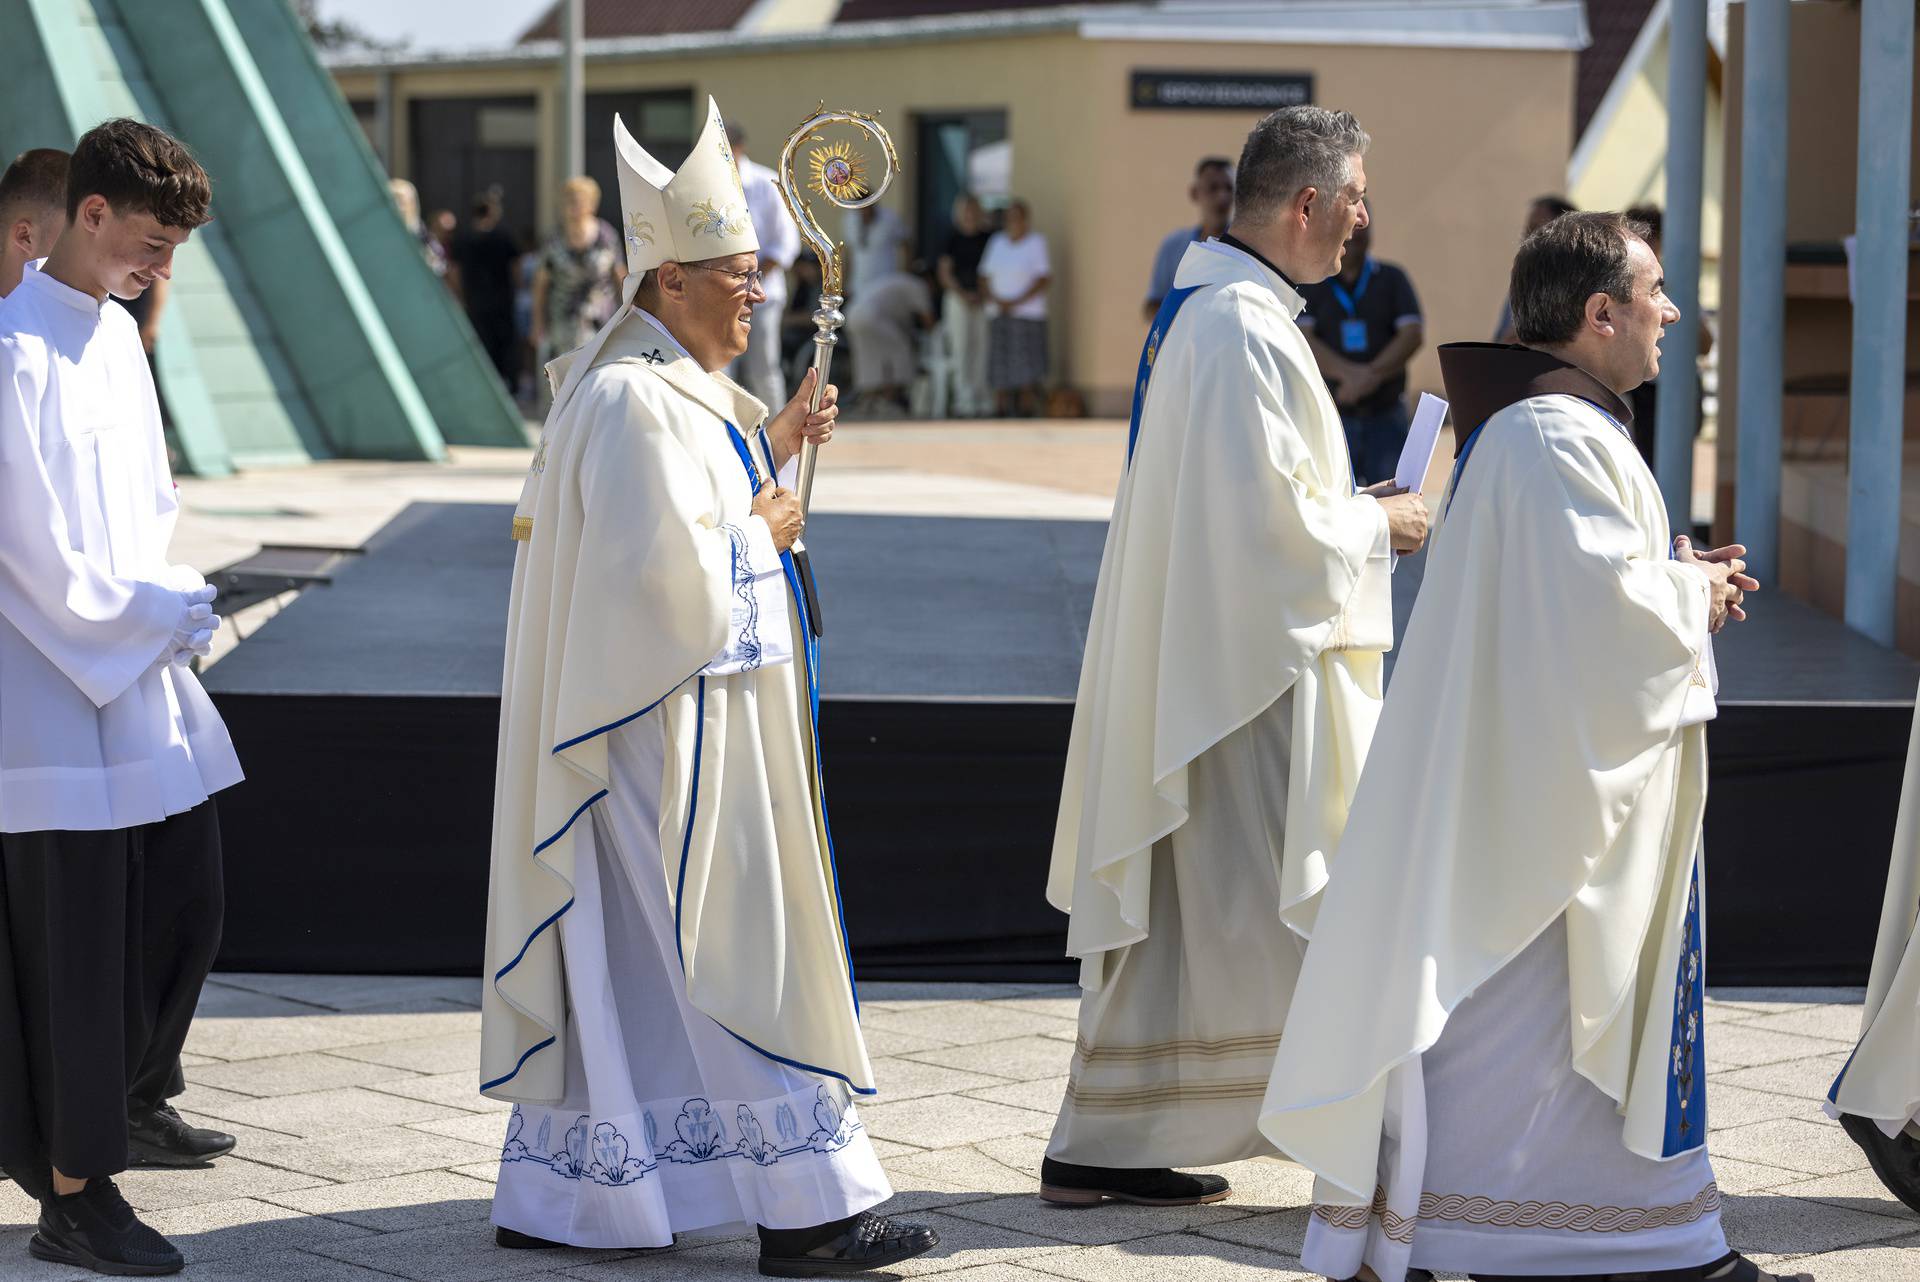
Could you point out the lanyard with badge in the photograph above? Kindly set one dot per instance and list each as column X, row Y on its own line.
column 1353, row 329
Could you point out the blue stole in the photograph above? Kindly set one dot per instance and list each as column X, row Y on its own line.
column 1150, row 352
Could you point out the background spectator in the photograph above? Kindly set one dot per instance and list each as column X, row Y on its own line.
column 1364, row 325
column 577, row 275
column 884, row 325
column 963, row 311
column 758, row 369
column 876, row 241
column 1542, row 211
column 482, row 276
column 406, row 199
column 1212, row 194
column 1016, row 272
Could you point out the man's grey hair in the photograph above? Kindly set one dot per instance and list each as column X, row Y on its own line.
column 1291, row 150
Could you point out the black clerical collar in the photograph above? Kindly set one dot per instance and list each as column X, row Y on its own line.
column 1228, row 238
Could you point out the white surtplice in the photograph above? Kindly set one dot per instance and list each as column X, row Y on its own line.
column 1882, row 1079
column 1494, row 1061
column 97, row 730
column 1229, row 690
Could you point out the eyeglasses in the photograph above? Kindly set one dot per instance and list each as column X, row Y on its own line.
column 748, row 280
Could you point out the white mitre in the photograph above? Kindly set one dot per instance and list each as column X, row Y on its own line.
column 685, row 217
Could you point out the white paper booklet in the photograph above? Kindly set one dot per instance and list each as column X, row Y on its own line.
column 1417, row 454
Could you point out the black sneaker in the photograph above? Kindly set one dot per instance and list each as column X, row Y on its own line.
column 96, row 1229
column 1064, row 1184
column 163, row 1138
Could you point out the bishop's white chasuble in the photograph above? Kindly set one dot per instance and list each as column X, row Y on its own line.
column 1881, row 1080
column 670, row 1002
column 1228, row 693
column 1494, row 1061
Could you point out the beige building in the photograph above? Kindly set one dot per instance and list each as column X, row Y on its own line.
column 1095, row 114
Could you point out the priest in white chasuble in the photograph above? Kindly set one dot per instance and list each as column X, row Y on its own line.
column 1877, row 1095
column 670, row 1001
column 1495, row 1060
column 1228, row 693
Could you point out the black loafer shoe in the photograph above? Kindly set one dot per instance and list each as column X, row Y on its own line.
column 1064, row 1184
column 514, row 1240
column 163, row 1138
column 96, row 1229
column 867, row 1241
column 1894, row 1158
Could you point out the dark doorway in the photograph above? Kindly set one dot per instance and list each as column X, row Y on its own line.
column 959, row 151
column 463, row 146
column 660, row 120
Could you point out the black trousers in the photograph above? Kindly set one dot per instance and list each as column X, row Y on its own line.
column 105, row 941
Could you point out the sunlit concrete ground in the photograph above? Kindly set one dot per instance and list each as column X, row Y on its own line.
column 365, row 1152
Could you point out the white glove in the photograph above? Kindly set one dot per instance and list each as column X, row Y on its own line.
column 193, row 634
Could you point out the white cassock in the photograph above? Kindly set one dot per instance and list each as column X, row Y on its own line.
column 1494, row 1061
column 1881, row 1080
column 671, row 1005
column 1229, row 691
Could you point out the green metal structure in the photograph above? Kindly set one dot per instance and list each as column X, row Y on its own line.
column 303, row 322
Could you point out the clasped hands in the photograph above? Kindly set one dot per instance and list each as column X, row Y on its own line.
column 1727, row 579
column 193, row 631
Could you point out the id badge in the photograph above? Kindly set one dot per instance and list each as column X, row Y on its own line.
column 1353, row 336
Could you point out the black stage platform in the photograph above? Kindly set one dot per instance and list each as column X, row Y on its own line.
column 366, row 715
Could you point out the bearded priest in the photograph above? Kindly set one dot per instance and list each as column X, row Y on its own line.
column 1230, row 685
column 671, row 1007
column 1877, row 1096
column 1495, row 1060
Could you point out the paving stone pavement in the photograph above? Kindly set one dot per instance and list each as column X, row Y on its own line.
column 366, row 1154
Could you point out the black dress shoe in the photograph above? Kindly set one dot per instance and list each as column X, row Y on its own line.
column 514, row 1240
column 865, row 1241
column 1894, row 1158
column 163, row 1138
column 96, row 1229
column 1065, row 1184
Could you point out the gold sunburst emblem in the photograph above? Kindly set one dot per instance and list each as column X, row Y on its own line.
column 838, row 171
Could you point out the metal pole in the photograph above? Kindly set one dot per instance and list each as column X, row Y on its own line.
column 1877, row 398
column 573, row 98
column 1763, row 268
column 1679, row 386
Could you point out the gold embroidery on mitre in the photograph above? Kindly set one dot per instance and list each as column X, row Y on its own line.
column 523, row 528
column 640, row 231
column 711, row 218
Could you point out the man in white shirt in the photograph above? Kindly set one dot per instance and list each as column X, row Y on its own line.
column 758, row 369
column 110, row 873
column 33, row 210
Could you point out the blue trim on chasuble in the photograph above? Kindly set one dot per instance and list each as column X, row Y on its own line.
column 810, row 659
column 1686, row 1057
column 1149, row 353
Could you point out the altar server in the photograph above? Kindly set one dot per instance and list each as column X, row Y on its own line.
column 110, row 752
column 33, row 211
column 1877, row 1095
column 1229, row 690
column 670, row 1004
column 1495, row 1059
